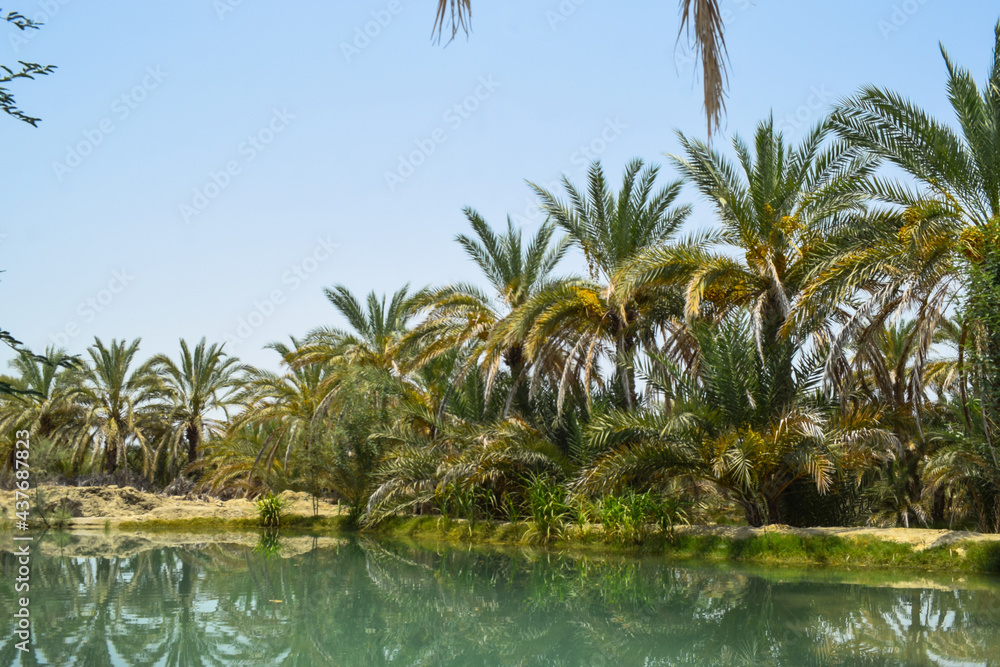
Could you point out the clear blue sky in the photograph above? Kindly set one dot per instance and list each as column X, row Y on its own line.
column 112, row 224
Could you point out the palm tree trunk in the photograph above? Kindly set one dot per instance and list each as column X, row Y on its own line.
column 110, row 457
column 194, row 441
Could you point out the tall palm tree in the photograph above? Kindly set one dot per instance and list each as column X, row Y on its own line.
column 201, row 384
column 376, row 335
column 464, row 316
column 949, row 228
column 773, row 206
column 592, row 317
column 120, row 403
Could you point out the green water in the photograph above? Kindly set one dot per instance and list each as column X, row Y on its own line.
column 361, row 602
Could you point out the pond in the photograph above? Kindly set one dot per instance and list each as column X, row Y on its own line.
column 307, row 601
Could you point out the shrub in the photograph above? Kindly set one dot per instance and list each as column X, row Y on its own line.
column 270, row 509
column 548, row 509
column 630, row 517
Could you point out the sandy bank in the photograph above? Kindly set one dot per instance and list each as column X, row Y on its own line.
column 94, row 506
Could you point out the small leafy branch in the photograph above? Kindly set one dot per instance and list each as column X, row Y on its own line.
column 25, row 71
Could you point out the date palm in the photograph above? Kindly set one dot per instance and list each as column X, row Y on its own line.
column 280, row 408
column 41, row 401
column 772, row 206
column 202, row 386
column 947, row 230
column 586, row 319
column 462, row 316
column 376, row 335
column 730, row 425
column 120, row 403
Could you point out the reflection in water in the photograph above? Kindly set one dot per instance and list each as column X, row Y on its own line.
column 368, row 603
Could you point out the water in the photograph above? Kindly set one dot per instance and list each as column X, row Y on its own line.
column 361, row 602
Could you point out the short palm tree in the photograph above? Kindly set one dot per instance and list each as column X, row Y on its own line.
column 283, row 407
column 202, row 386
column 729, row 425
column 120, row 405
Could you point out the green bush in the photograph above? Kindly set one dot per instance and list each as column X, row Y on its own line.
column 270, row 510
column 548, row 509
column 629, row 518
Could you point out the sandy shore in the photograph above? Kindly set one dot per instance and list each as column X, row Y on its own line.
column 96, row 506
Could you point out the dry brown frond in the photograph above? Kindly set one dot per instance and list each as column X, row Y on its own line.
column 710, row 47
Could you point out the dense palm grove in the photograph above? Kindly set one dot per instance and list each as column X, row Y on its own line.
column 827, row 352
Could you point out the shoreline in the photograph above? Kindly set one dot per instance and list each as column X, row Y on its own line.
column 126, row 517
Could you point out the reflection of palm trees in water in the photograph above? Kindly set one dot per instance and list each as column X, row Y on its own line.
column 368, row 603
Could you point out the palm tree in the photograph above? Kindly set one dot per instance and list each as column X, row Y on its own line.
column 377, row 334
column 472, row 452
column 120, row 404
column 202, row 384
column 731, row 426
column 280, row 407
column 948, row 229
column 773, row 207
column 463, row 316
column 585, row 319
column 40, row 401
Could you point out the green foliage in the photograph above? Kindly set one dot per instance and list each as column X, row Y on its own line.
column 269, row 544
column 630, row 518
column 25, row 71
column 270, row 509
column 548, row 510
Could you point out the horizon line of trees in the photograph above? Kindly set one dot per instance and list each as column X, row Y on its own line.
column 827, row 352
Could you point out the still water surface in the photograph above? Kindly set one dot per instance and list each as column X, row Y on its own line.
column 363, row 602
